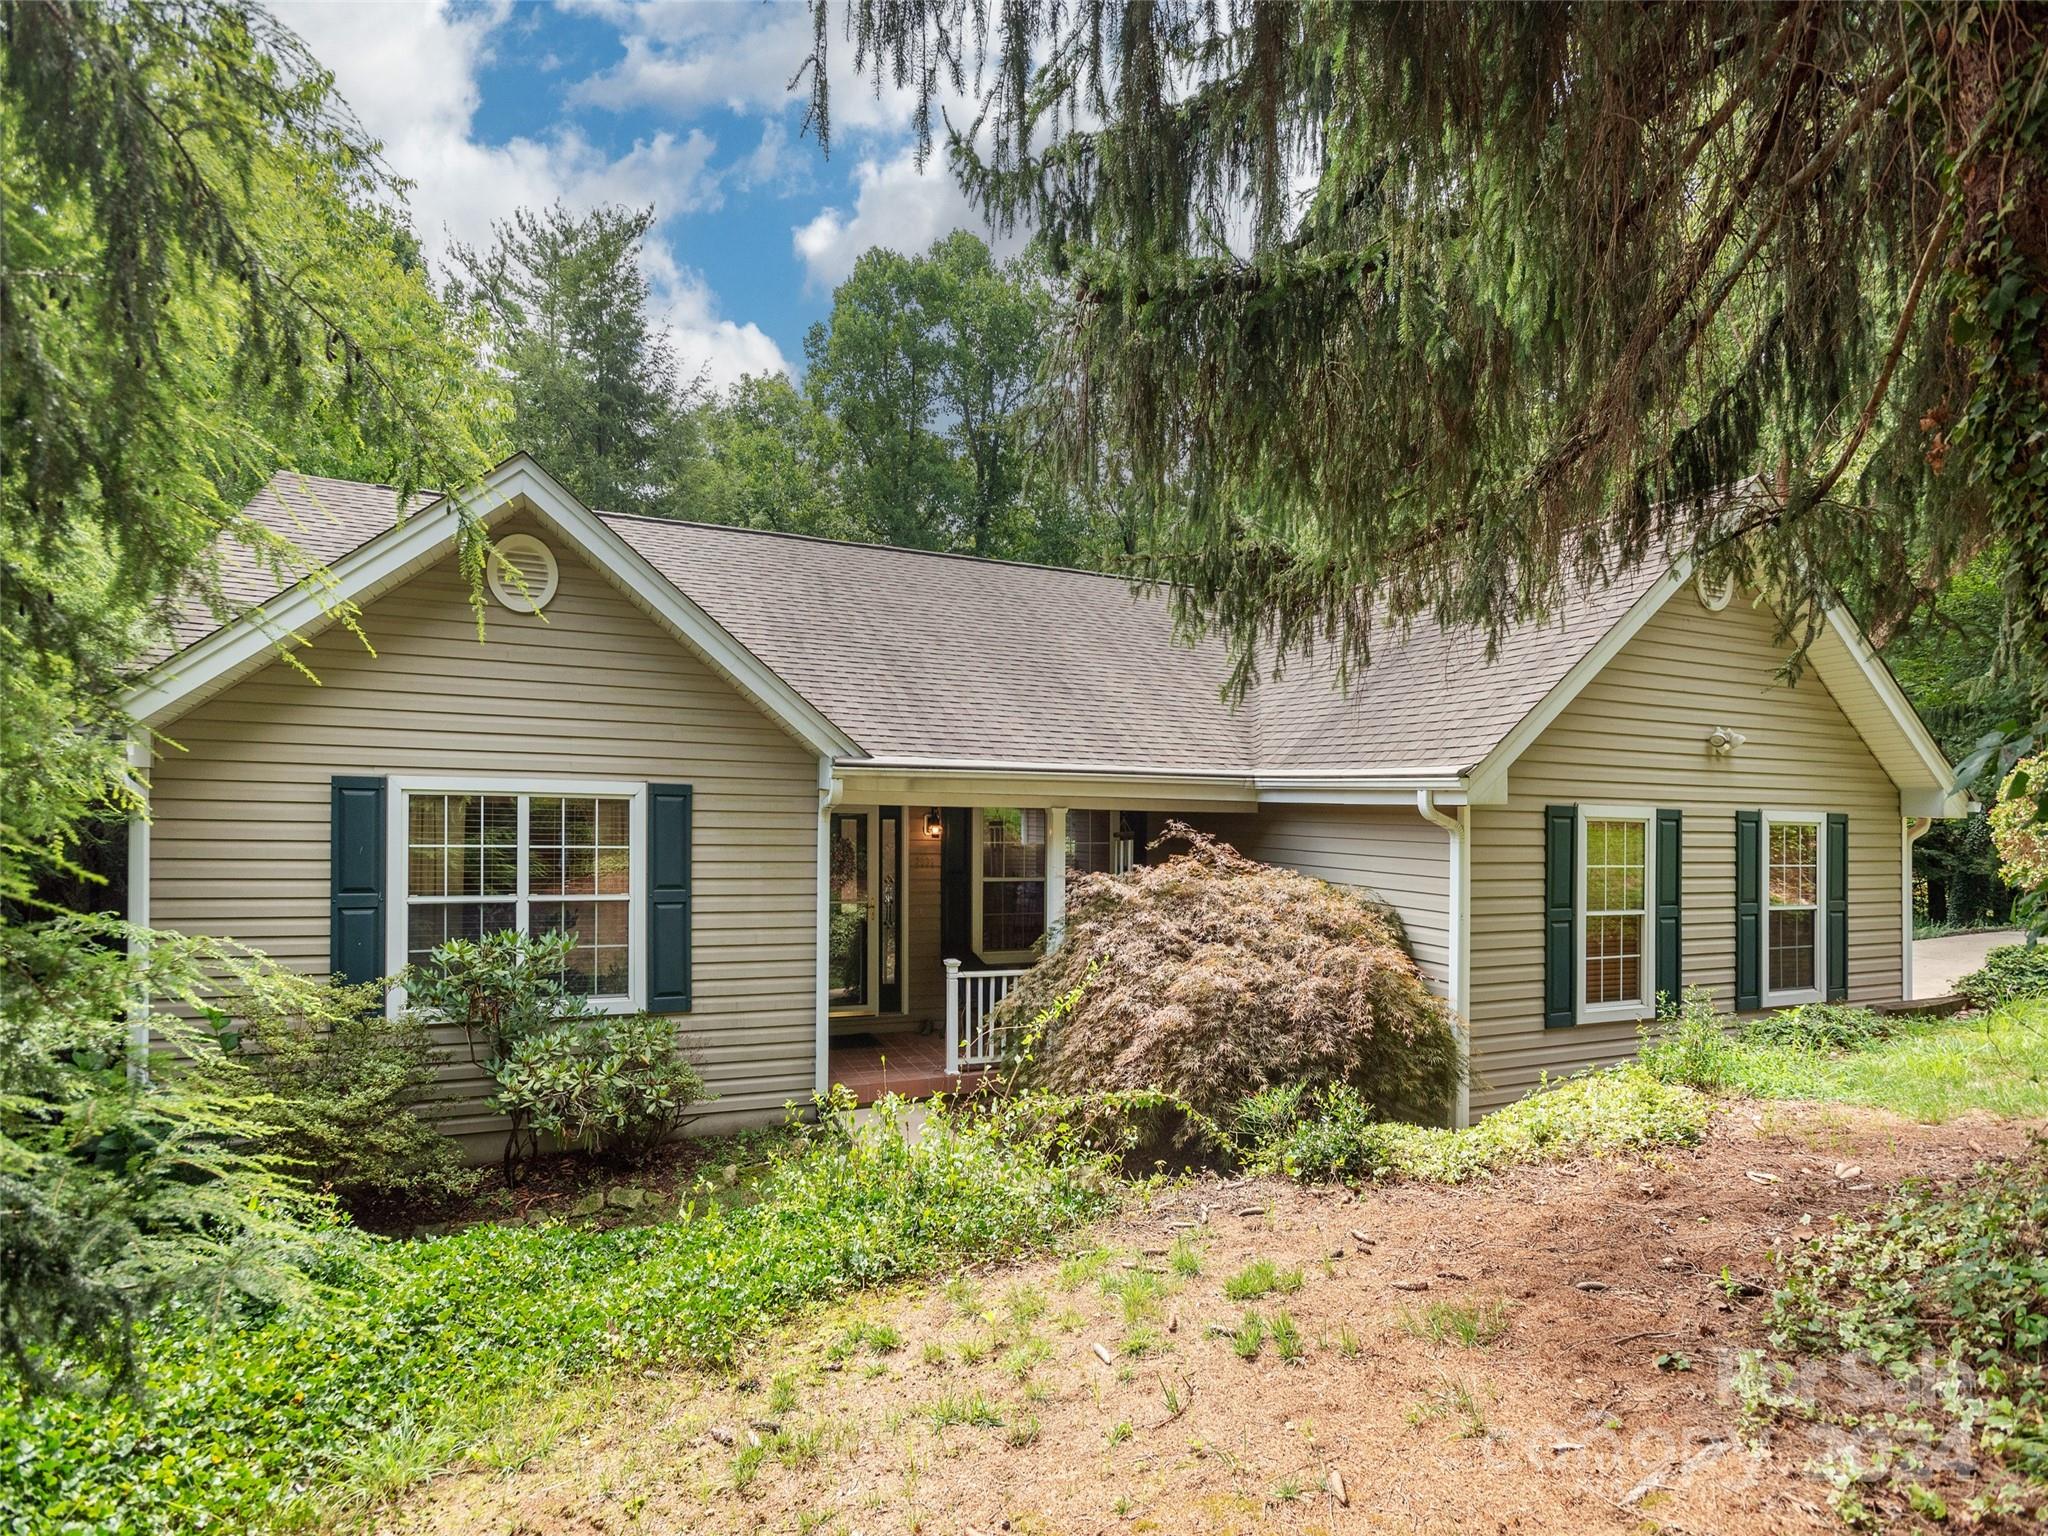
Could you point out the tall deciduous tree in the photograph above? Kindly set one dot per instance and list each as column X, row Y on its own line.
column 597, row 395
column 1433, row 308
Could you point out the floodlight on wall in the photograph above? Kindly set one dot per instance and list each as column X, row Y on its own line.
column 934, row 824
column 1724, row 742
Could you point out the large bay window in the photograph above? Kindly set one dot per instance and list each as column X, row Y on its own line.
column 1794, row 891
column 532, row 857
column 1009, row 872
column 1615, row 888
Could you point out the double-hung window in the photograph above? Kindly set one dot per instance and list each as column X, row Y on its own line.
column 1616, row 886
column 531, row 856
column 1009, row 872
column 1795, row 882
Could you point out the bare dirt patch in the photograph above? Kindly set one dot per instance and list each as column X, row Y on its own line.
column 1548, row 1350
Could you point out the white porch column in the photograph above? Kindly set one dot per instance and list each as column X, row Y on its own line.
column 1055, row 874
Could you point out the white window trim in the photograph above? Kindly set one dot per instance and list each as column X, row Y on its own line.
column 1015, row 956
column 1629, row 1009
column 1818, row 820
column 976, row 880
column 398, row 863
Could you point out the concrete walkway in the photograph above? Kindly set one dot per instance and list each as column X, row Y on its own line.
column 1939, row 963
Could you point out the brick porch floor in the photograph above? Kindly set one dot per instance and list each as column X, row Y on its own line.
column 911, row 1064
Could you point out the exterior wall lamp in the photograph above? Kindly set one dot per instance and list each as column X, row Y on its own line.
column 934, row 824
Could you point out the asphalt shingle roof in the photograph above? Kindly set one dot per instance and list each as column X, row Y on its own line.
column 934, row 657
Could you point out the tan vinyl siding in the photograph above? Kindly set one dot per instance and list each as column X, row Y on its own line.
column 926, row 969
column 1637, row 736
column 596, row 690
column 1389, row 852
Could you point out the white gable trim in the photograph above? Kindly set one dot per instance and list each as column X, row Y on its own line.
column 1924, row 778
column 244, row 644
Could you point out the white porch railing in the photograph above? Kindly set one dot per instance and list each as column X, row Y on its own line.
column 972, row 1037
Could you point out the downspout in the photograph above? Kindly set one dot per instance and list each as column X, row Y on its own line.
column 829, row 790
column 1460, row 923
column 1915, row 829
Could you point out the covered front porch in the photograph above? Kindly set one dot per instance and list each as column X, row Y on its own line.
column 934, row 909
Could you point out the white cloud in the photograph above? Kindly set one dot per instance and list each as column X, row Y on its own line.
column 682, row 302
column 410, row 73
column 898, row 206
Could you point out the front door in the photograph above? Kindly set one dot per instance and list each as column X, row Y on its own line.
column 850, row 970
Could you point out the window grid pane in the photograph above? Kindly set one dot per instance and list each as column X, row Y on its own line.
column 466, row 845
column 1793, row 884
column 1012, row 877
column 1616, row 910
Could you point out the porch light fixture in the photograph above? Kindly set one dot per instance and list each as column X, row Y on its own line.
column 934, row 824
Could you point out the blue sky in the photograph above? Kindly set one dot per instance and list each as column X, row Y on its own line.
column 489, row 104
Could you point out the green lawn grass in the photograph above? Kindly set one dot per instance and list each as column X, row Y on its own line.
column 1929, row 1070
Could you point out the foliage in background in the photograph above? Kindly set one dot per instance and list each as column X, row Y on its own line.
column 121, row 1192
column 344, row 1088
column 616, row 1086
column 1946, row 656
column 1217, row 976
column 2019, row 829
column 598, row 396
column 1430, row 309
column 2010, row 973
column 421, row 1345
column 911, row 426
column 1333, row 1133
column 1943, row 1295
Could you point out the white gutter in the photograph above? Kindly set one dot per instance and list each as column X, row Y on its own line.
column 1459, row 851
column 829, row 790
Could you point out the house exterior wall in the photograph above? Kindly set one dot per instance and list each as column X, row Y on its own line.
column 1637, row 735
column 594, row 690
column 1389, row 852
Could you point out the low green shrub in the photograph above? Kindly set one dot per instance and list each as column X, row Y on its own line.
column 617, row 1086
column 251, row 1422
column 1943, row 1293
column 2009, row 973
column 341, row 1090
column 1620, row 1109
column 1819, row 1027
column 1689, row 1044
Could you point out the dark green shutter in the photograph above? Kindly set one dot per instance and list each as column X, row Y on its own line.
column 1560, row 915
column 956, row 895
column 668, row 898
column 1670, row 916
column 1838, row 908
column 355, row 880
column 1749, row 907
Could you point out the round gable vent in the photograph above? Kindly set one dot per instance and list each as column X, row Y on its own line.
column 1714, row 592
column 523, row 574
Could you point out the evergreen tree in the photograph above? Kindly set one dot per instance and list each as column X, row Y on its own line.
column 595, row 388
column 203, row 278
column 1432, row 308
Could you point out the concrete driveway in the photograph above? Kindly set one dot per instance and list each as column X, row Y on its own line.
column 1939, row 963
